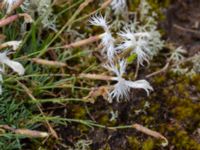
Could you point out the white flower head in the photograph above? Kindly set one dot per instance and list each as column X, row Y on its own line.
column 99, row 20
column 16, row 66
column 9, row 4
column 138, row 42
column 119, row 6
column 122, row 87
column 107, row 39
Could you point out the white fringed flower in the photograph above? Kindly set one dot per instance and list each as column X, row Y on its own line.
column 9, row 4
column 107, row 39
column 16, row 66
column 138, row 42
column 99, row 20
column 119, row 6
column 122, row 87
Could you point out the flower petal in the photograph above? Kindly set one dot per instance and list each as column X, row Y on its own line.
column 140, row 84
column 16, row 66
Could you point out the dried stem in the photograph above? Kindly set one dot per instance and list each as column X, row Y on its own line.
column 159, row 71
column 103, row 6
column 26, row 132
column 48, row 62
column 80, row 43
column 186, row 30
column 97, row 77
column 8, row 20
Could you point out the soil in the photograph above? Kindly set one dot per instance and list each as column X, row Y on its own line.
column 183, row 25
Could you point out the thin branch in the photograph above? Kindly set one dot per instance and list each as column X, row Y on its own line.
column 80, row 43
column 185, row 29
column 159, row 71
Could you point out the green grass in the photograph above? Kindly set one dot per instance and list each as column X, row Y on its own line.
column 47, row 85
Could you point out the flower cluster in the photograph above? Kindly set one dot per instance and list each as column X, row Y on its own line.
column 122, row 87
column 139, row 41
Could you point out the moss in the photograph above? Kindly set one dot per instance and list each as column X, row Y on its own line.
column 133, row 4
column 148, row 144
column 104, row 119
column 181, row 88
column 133, row 142
column 182, row 112
column 107, row 147
column 154, row 108
column 179, row 100
column 79, row 112
column 159, row 79
column 183, row 141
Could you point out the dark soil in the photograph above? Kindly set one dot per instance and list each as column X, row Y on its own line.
column 183, row 25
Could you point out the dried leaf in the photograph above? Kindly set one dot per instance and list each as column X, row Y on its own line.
column 96, row 92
